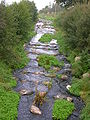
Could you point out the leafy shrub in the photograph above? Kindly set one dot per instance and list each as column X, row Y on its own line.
column 48, row 61
column 75, row 23
column 8, row 104
column 62, row 109
column 76, row 86
column 77, row 69
column 46, row 38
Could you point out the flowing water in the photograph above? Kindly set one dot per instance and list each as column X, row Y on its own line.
column 27, row 78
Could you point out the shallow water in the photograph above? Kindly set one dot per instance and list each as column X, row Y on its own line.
column 27, row 78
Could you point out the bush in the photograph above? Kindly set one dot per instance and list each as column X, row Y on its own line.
column 48, row 61
column 75, row 23
column 62, row 109
column 46, row 38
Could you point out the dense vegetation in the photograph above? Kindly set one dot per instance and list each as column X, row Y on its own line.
column 62, row 109
column 46, row 38
column 73, row 36
column 16, row 26
column 48, row 61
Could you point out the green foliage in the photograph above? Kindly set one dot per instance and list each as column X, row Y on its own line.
column 8, row 104
column 75, row 23
column 48, row 61
column 81, row 87
column 6, row 75
column 8, row 98
column 46, row 38
column 76, row 86
column 16, row 26
column 74, row 41
column 62, row 109
column 77, row 69
column 59, row 76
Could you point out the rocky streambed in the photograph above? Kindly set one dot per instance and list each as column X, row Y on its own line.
column 33, row 73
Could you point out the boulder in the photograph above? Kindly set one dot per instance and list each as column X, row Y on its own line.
column 85, row 75
column 35, row 110
column 37, row 73
column 69, row 99
column 77, row 58
column 26, row 92
column 53, row 41
column 67, row 65
column 24, row 81
column 56, row 69
column 64, row 77
column 42, row 94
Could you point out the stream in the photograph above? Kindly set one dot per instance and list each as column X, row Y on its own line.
column 32, row 73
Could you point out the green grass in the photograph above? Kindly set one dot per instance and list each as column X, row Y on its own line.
column 8, row 104
column 46, row 38
column 47, row 61
column 81, row 87
column 76, row 86
column 8, row 98
column 62, row 109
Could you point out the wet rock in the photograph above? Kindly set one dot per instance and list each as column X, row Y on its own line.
column 68, row 87
column 64, row 77
column 67, row 65
column 60, row 96
column 48, row 84
column 56, row 69
column 85, row 75
column 69, row 99
column 32, row 56
column 24, row 81
column 35, row 110
column 24, row 72
column 53, row 41
column 77, row 58
column 37, row 73
column 42, row 88
column 50, row 75
column 44, row 51
column 68, row 70
column 26, row 92
column 42, row 94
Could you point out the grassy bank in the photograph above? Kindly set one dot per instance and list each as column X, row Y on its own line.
column 75, row 46
column 9, row 99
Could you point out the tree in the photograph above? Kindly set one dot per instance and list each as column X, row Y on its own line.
column 71, row 2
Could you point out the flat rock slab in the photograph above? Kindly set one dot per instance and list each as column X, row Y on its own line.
column 36, row 38
column 32, row 56
column 33, row 70
column 34, row 78
column 44, row 47
column 33, row 63
column 43, row 51
column 42, row 88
